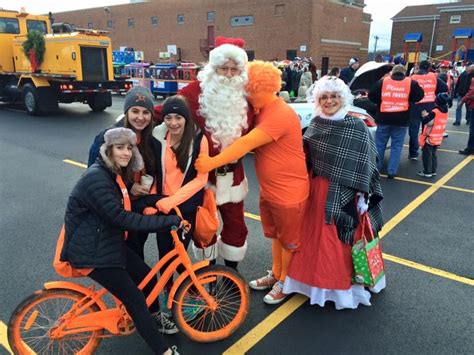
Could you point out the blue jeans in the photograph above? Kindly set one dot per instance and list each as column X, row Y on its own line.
column 397, row 135
column 459, row 106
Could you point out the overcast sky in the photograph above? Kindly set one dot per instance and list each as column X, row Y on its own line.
column 381, row 10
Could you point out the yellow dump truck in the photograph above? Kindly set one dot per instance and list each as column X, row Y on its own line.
column 77, row 65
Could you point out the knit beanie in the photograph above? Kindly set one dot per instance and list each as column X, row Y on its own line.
column 425, row 65
column 442, row 99
column 139, row 96
column 177, row 105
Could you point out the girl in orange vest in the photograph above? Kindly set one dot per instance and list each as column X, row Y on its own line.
column 430, row 139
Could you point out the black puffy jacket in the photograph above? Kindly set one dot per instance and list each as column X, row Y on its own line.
column 95, row 221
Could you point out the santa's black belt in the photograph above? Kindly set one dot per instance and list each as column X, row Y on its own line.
column 224, row 169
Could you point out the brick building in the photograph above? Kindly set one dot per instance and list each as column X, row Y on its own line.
column 329, row 31
column 436, row 23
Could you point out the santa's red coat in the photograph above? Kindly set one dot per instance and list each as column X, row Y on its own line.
column 192, row 92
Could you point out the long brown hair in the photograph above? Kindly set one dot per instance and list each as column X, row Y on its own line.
column 126, row 173
column 182, row 151
column 145, row 144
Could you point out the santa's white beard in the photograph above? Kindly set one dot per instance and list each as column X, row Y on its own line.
column 224, row 107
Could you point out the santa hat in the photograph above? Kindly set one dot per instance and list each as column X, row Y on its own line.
column 228, row 49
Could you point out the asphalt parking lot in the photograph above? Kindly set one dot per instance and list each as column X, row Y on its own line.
column 428, row 247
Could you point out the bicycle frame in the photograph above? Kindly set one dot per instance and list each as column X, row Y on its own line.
column 116, row 320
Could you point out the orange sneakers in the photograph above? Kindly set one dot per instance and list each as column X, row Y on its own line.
column 263, row 283
column 276, row 295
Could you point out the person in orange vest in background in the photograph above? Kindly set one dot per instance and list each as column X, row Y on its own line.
column 393, row 96
column 430, row 139
column 445, row 75
column 432, row 85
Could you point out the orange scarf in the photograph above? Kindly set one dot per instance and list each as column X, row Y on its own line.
column 127, row 204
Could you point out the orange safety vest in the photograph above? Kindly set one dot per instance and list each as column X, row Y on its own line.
column 428, row 82
column 395, row 94
column 434, row 134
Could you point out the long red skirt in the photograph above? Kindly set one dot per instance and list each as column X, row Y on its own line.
column 323, row 261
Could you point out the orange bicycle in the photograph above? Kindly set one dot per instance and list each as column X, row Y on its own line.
column 65, row 317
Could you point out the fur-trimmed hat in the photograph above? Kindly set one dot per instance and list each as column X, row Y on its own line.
column 228, row 49
column 122, row 135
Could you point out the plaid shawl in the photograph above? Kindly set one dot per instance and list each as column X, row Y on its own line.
column 343, row 152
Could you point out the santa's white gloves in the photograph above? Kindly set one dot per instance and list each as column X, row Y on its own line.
column 362, row 204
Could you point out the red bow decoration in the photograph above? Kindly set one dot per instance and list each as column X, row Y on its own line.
column 239, row 42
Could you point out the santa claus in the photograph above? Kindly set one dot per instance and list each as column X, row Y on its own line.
column 219, row 105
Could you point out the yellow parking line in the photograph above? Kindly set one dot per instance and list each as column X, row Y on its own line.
column 266, row 326
column 458, row 189
column 430, row 184
column 429, row 269
column 440, row 150
column 75, row 163
column 408, row 209
column 4, row 337
column 460, row 132
column 252, row 216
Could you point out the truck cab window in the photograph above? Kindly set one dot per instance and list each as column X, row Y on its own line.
column 9, row 25
column 36, row 25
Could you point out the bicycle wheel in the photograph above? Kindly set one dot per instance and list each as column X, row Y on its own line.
column 38, row 314
column 231, row 293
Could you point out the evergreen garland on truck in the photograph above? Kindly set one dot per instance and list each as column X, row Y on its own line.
column 34, row 48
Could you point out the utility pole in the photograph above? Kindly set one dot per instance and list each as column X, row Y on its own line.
column 375, row 45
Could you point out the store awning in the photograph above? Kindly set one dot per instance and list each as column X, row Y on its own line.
column 413, row 37
column 462, row 33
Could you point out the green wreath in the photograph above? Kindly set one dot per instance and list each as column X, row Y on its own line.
column 35, row 42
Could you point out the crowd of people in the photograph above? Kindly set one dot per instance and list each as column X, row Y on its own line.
column 159, row 157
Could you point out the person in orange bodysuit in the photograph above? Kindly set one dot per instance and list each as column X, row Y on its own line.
column 281, row 170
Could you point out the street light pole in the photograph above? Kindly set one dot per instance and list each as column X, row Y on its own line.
column 375, row 46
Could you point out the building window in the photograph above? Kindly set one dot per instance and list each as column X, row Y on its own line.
column 131, row 22
column 90, row 25
column 241, row 20
column 210, row 16
column 279, row 10
column 110, row 24
column 455, row 19
column 154, row 21
column 251, row 55
column 180, row 19
column 290, row 54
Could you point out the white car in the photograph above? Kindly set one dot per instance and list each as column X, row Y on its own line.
column 367, row 75
column 305, row 112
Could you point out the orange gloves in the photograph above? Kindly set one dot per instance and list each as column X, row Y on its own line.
column 150, row 211
column 254, row 139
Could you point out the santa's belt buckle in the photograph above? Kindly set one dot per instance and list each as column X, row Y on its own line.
column 222, row 170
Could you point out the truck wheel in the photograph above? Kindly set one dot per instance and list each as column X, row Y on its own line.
column 100, row 102
column 30, row 98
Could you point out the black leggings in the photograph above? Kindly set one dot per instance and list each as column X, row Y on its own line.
column 164, row 241
column 122, row 283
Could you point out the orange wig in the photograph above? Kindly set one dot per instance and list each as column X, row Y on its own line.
column 264, row 77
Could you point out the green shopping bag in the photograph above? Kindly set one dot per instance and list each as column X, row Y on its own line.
column 367, row 256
